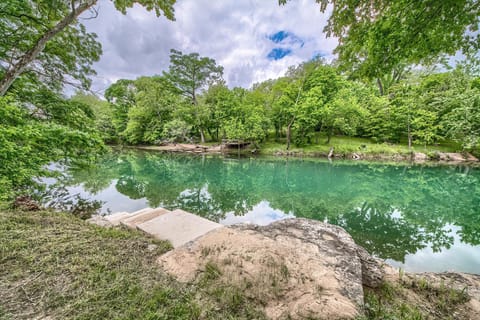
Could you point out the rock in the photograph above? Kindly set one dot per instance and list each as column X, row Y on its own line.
column 300, row 268
column 456, row 157
column 419, row 156
column 26, row 203
column 470, row 157
column 100, row 221
column 316, row 232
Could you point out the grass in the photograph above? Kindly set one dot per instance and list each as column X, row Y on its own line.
column 55, row 265
column 413, row 300
column 348, row 145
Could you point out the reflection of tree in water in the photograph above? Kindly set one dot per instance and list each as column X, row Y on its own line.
column 392, row 210
column 375, row 227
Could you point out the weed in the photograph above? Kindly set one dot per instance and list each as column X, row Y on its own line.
column 212, row 271
column 205, row 251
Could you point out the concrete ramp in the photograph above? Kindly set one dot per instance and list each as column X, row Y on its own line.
column 141, row 216
column 178, row 227
column 114, row 219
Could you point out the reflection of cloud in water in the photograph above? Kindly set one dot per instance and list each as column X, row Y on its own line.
column 261, row 214
column 204, row 194
column 111, row 198
column 460, row 256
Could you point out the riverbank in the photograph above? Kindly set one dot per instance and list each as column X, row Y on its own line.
column 57, row 266
column 356, row 149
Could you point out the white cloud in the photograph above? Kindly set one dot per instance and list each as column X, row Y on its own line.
column 234, row 33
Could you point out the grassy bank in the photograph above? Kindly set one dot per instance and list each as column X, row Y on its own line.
column 349, row 145
column 56, row 266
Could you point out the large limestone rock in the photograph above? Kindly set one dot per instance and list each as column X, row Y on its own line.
column 300, row 268
column 330, row 240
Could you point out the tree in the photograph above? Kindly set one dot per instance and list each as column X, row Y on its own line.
column 175, row 130
column 121, row 96
column 463, row 121
column 247, row 120
column 154, row 105
column 103, row 113
column 375, row 37
column 45, row 37
column 190, row 73
column 220, row 104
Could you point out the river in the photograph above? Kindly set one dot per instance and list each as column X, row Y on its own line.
column 417, row 217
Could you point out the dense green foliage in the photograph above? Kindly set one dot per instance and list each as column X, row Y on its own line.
column 42, row 48
column 44, row 38
column 378, row 39
column 51, row 130
column 313, row 99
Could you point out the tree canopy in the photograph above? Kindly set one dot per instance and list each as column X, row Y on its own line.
column 376, row 37
column 45, row 38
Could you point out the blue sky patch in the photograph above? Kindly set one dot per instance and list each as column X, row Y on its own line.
column 278, row 53
column 279, row 36
column 286, row 37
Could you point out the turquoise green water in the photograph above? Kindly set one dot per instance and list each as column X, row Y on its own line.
column 422, row 218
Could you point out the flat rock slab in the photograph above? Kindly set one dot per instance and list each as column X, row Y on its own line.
column 302, row 269
column 178, row 227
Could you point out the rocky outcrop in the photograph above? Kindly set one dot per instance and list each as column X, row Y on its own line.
column 300, row 268
column 330, row 240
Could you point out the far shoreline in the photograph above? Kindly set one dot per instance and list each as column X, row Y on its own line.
column 441, row 158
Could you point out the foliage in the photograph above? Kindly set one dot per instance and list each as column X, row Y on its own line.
column 175, row 131
column 103, row 113
column 153, row 107
column 313, row 99
column 32, row 138
column 246, row 120
column 376, row 37
column 121, row 96
column 189, row 73
column 45, row 38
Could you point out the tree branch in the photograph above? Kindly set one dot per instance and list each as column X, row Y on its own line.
column 31, row 54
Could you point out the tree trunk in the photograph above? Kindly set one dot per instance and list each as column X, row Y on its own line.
column 330, row 153
column 319, row 132
column 329, row 135
column 380, row 86
column 409, row 134
column 212, row 136
column 289, row 132
column 18, row 68
column 202, row 135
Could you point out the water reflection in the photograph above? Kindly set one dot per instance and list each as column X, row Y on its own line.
column 397, row 212
column 261, row 214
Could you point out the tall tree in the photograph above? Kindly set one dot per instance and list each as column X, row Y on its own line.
column 190, row 73
column 45, row 37
column 375, row 37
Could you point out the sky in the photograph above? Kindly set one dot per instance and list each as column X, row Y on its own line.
column 254, row 40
